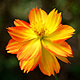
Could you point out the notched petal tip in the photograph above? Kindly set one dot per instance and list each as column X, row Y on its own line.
column 52, row 22
column 54, row 9
column 8, row 28
column 48, row 63
column 18, row 22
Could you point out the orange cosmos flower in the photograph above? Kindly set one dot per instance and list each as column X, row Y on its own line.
column 41, row 42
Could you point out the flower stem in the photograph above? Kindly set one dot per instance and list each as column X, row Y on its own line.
column 56, row 78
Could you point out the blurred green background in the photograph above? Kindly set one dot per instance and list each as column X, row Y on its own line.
column 19, row 9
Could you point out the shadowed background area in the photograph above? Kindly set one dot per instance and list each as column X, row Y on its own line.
column 19, row 9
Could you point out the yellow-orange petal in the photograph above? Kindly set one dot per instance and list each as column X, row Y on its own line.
column 61, row 49
column 29, row 50
column 26, row 65
column 64, row 59
column 48, row 63
column 37, row 16
column 20, row 33
column 13, row 46
column 29, row 65
column 62, row 33
column 52, row 22
column 18, row 22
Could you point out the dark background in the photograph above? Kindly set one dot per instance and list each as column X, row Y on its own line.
column 19, row 9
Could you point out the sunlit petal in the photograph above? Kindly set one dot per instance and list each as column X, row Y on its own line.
column 61, row 49
column 13, row 46
column 29, row 50
column 48, row 64
column 29, row 65
column 20, row 33
column 18, row 22
column 62, row 33
column 52, row 22
column 37, row 16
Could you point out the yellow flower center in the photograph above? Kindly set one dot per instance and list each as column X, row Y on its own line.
column 39, row 29
column 40, row 34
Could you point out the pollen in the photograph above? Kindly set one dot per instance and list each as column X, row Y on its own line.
column 39, row 29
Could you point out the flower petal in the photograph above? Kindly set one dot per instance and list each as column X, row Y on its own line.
column 37, row 16
column 20, row 33
column 48, row 63
column 18, row 22
column 52, row 22
column 29, row 50
column 62, row 33
column 26, row 65
column 61, row 49
column 29, row 65
column 13, row 46
column 64, row 59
